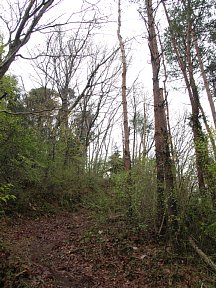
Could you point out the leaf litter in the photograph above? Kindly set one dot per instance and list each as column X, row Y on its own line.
column 71, row 250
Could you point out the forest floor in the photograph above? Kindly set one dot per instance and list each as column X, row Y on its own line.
column 71, row 250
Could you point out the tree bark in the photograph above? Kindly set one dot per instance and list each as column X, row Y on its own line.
column 205, row 80
column 127, row 158
column 165, row 178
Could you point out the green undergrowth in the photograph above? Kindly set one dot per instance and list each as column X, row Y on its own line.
column 33, row 202
column 134, row 202
column 135, row 206
column 130, row 213
column 13, row 272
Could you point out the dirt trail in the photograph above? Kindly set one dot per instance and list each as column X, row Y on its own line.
column 49, row 248
column 68, row 250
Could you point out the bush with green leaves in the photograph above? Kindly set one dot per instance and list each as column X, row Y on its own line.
column 6, row 194
column 21, row 152
column 133, row 197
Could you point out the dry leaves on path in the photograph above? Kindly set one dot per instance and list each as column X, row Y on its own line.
column 70, row 250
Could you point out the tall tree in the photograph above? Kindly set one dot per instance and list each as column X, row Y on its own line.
column 43, row 104
column 127, row 158
column 165, row 177
column 180, row 33
column 204, row 76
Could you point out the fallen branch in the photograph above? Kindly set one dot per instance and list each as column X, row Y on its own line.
column 208, row 261
column 24, row 272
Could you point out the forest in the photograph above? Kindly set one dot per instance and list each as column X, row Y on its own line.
column 107, row 143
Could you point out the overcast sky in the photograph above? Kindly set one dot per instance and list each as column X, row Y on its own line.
column 133, row 30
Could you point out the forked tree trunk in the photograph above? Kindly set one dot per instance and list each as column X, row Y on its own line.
column 165, row 178
column 127, row 158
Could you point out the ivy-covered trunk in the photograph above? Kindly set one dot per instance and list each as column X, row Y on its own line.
column 181, row 37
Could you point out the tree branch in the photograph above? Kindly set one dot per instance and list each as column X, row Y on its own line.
column 204, row 257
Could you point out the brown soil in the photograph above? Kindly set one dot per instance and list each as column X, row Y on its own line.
column 70, row 250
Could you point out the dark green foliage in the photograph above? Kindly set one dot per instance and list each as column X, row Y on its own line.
column 200, row 221
column 196, row 15
column 6, row 195
column 8, row 88
column 13, row 272
column 45, row 170
column 116, row 163
column 17, row 147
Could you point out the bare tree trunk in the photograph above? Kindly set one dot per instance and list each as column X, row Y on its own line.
column 165, row 179
column 167, row 106
column 205, row 80
column 134, row 149
column 144, row 129
column 158, row 107
column 127, row 158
